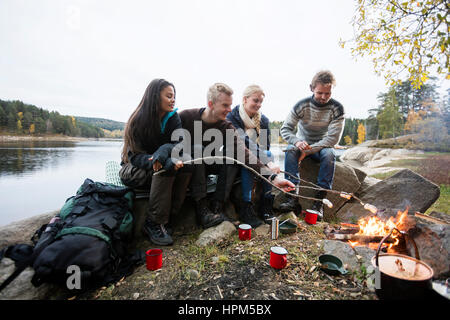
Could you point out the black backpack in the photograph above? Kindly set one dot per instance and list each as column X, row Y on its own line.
column 86, row 244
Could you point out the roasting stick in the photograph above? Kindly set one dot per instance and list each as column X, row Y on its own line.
column 343, row 194
column 325, row 201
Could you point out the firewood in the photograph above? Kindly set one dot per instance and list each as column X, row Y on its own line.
column 360, row 238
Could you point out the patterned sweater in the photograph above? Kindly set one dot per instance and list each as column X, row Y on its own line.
column 320, row 125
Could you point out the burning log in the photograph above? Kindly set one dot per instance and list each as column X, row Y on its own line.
column 362, row 238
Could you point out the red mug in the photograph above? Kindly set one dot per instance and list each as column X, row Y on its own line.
column 153, row 259
column 278, row 259
column 245, row 232
column 311, row 216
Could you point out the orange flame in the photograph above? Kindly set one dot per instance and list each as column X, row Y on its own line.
column 374, row 226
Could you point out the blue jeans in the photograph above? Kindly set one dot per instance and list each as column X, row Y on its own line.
column 327, row 159
column 247, row 179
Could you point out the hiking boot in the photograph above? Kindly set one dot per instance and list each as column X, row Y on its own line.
column 206, row 217
column 157, row 233
column 247, row 215
column 169, row 229
column 291, row 204
column 217, row 207
column 266, row 209
column 318, row 206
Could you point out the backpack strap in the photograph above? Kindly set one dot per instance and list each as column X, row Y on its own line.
column 86, row 231
column 22, row 254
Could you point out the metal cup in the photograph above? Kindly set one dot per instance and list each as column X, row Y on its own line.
column 275, row 223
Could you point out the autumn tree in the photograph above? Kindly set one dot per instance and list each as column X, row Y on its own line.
column 403, row 37
column 361, row 133
column 348, row 141
column 412, row 121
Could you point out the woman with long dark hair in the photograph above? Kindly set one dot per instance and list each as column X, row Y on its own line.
column 147, row 149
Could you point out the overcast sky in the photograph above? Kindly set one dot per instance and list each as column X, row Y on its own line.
column 95, row 58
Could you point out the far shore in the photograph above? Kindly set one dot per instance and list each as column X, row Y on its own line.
column 11, row 138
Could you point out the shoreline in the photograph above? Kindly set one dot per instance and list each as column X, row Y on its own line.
column 12, row 138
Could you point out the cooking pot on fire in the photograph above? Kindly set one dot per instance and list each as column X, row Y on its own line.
column 400, row 276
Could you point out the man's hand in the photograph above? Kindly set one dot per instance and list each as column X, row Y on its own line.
column 274, row 168
column 157, row 165
column 178, row 165
column 302, row 145
column 284, row 184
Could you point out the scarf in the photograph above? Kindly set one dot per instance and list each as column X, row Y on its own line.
column 252, row 125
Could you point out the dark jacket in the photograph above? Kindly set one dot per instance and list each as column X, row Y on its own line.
column 190, row 116
column 237, row 122
column 159, row 147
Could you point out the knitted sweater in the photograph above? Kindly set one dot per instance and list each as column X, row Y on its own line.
column 320, row 125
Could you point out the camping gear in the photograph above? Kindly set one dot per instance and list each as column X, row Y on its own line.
column 274, row 228
column 93, row 232
column 287, row 227
column 401, row 276
column 278, row 258
column 245, row 232
column 311, row 216
column 154, row 259
column 332, row 265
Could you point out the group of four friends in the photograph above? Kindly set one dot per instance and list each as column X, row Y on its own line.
column 155, row 131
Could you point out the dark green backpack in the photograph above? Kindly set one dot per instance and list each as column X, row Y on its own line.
column 89, row 241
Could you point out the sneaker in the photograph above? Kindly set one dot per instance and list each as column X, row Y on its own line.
column 206, row 217
column 247, row 215
column 157, row 233
column 266, row 210
column 318, row 206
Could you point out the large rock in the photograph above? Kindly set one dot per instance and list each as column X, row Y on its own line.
column 213, row 234
column 21, row 287
column 404, row 189
column 346, row 178
column 357, row 260
column 366, row 156
column 433, row 244
column 366, row 184
column 21, row 231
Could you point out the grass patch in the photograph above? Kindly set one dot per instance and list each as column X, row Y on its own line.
column 443, row 203
column 384, row 175
column 432, row 166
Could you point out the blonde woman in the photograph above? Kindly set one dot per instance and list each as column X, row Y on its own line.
column 253, row 127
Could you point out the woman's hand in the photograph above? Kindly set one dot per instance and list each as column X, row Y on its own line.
column 274, row 168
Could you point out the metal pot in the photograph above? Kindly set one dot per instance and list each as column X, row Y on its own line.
column 399, row 276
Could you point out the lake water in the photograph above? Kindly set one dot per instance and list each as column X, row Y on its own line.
column 38, row 176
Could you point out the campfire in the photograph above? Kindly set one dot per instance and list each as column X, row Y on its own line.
column 370, row 231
